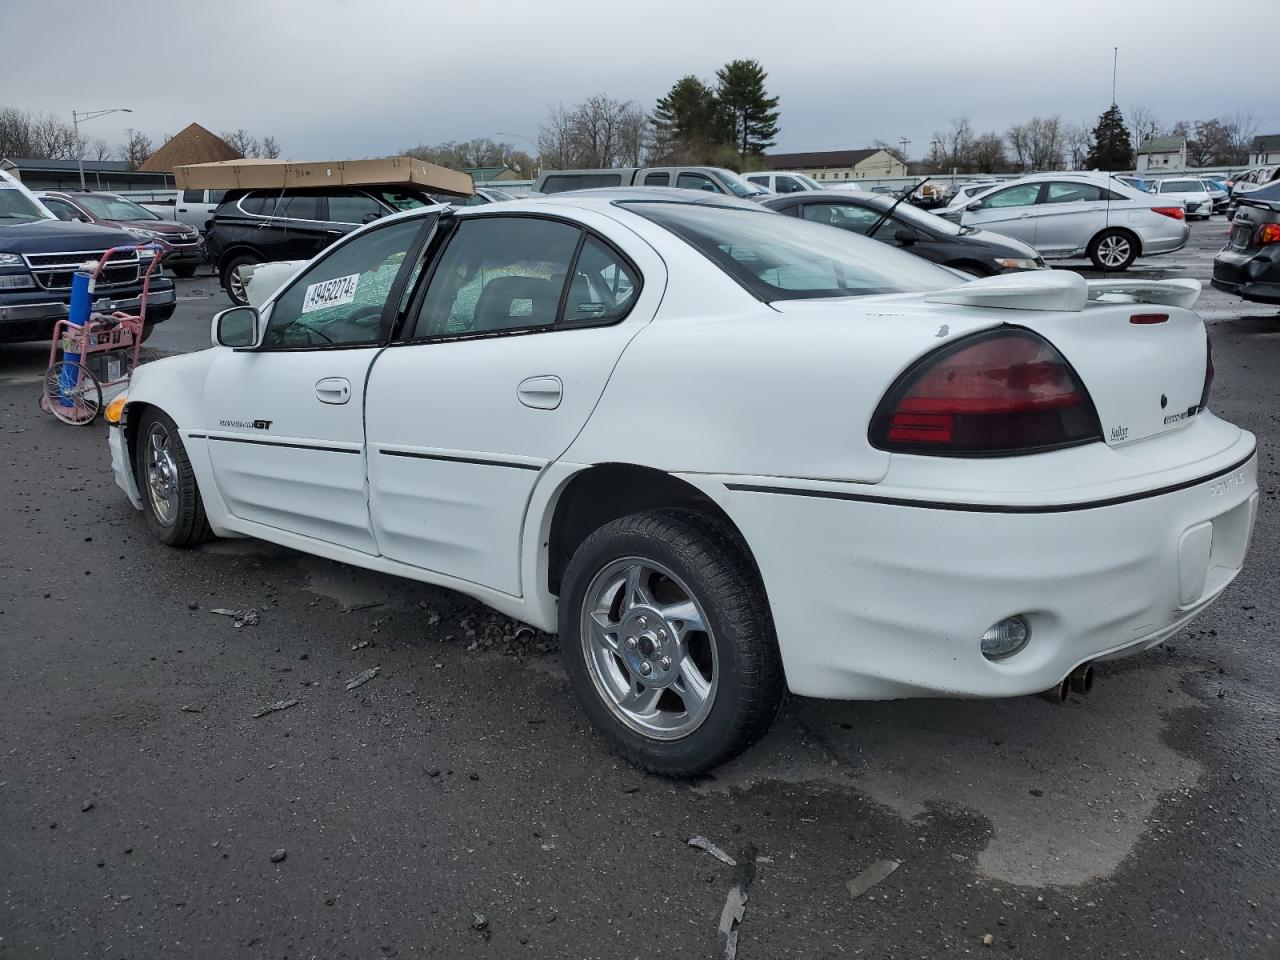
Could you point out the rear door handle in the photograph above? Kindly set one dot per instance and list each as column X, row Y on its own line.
column 333, row 390
column 541, row 393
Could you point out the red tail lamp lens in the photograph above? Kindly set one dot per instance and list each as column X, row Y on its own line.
column 1178, row 213
column 1007, row 392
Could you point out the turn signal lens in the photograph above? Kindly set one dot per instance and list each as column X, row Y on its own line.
column 1178, row 213
column 115, row 409
column 1267, row 233
column 1002, row 392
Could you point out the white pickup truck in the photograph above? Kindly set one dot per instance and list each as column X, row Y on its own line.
column 192, row 207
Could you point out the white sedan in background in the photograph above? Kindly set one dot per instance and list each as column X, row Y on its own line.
column 1066, row 215
column 1191, row 191
column 725, row 453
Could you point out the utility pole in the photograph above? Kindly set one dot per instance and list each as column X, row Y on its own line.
column 1115, row 63
column 904, row 142
column 78, row 118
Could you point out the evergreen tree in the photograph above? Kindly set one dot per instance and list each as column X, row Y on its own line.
column 685, row 117
column 748, row 111
column 1111, row 148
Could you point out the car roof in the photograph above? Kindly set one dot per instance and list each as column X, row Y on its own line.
column 663, row 194
column 863, row 198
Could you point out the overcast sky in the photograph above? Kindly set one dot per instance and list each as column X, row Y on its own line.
column 334, row 79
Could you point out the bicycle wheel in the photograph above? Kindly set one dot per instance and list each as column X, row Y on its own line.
column 72, row 393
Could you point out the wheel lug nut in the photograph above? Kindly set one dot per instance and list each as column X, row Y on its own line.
column 646, row 668
column 631, row 643
column 665, row 663
column 662, row 634
column 641, row 622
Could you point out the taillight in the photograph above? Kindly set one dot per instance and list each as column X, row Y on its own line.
column 1267, row 233
column 1178, row 213
column 1003, row 392
column 1208, row 371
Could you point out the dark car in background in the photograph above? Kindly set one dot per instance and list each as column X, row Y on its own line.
column 259, row 226
column 972, row 251
column 110, row 210
column 38, row 256
column 1249, row 265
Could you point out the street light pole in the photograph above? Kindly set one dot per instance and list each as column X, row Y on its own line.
column 78, row 117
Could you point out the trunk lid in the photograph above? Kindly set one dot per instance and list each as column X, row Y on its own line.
column 1135, row 345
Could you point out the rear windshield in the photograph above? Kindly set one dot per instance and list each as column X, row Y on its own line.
column 1182, row 186
column 560, row 182
column 1270, row 192
column 785, row 258
column 925, row 220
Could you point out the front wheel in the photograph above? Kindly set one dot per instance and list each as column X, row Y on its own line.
column 668, row 641
column 184, row 270
column 170, row 498
column 1113, row 250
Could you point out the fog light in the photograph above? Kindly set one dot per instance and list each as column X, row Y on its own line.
column 1005, row 638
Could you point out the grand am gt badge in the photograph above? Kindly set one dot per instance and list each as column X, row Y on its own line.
column 247, row 424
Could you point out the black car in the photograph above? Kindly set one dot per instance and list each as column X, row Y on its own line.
column 38, row 256
column 259, row 226
column 967, row 249
column 1249, row 265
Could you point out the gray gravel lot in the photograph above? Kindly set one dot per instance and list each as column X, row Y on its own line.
column 143, row 807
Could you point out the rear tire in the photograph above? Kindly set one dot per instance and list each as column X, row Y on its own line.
column 170, row 498
column 1113, row 250
column 673, row 593
column 232, row 282
column 184, row 270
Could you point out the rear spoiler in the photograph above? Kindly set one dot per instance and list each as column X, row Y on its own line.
column 1062, row 290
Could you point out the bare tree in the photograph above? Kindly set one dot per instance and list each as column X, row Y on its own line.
column 98, row 149
column 242, row 143
column 1045, row 142
column 986, row 154
column 1240, row 130
column 270, row 148
column 1019, row 143
column 1077, row 140
column 599, row 132
column 1143, row 124
column 136, row 148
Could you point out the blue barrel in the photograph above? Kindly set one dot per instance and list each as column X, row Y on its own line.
column 78, row 313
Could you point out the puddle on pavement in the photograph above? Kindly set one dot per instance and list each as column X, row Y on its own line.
column 1067, row 790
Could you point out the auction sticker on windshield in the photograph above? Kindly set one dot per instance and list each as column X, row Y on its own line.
column 330, row 293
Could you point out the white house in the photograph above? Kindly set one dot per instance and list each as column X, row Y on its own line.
column 1162, row 153
column 1265, row 150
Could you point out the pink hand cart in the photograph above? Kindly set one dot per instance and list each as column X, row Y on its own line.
column 95, row 360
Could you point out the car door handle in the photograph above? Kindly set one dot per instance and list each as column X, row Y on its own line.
column 336, row 233
column 541, row 393
column 333, row 390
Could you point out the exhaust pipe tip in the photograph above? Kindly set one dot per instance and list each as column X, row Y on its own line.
column 1081, row 679
column 1058, row 693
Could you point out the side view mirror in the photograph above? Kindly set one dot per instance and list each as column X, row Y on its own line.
column 237, row 327
column 973, row 205
column 905, row 236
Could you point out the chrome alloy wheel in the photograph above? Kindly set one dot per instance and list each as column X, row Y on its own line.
column 649, row 648
column 238, row 288
column 1114, row 250
column 162, row 475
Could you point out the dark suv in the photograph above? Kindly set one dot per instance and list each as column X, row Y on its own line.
column 258, row 226
column 39, row 254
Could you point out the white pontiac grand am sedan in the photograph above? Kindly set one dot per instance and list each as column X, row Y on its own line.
column 723, row 452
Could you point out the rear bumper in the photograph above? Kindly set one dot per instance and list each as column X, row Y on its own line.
column 1252, row 276
column 1165, row 242
column 882, row 598
column 32, row 316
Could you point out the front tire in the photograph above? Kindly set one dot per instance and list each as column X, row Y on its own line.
column 1113, row 250
column 668, row 641
column 184, row 270
column 170, row 498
